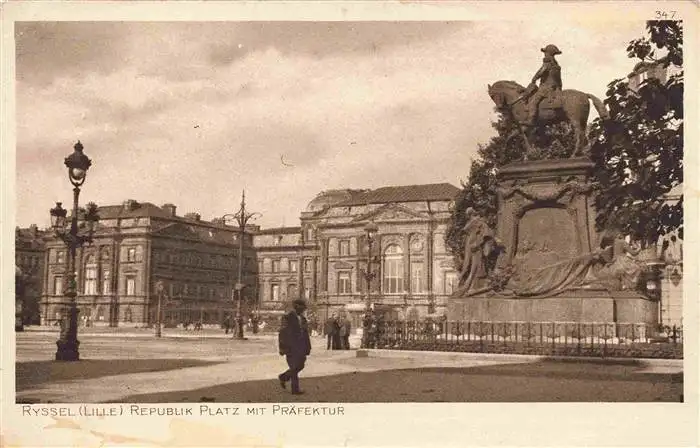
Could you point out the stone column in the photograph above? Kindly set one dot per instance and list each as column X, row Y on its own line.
column 324, row 265
column 406, row 248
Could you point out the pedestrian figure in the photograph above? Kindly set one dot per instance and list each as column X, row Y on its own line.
column 345, row 327
column 227, row 325
column 328, row 329
column 255, row 322
column 337, row 341
column 295, row 344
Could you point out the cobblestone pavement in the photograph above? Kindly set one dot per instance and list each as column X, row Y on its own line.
column 140, row 368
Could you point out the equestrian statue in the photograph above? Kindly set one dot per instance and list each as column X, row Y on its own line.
column 535, row 106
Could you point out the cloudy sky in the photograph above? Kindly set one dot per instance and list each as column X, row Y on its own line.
column 192, row 113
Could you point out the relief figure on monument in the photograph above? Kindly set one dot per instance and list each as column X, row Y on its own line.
column 481, row 249
column 546, row 235
column 622, row 270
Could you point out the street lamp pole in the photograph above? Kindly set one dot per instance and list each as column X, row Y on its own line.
column 370, row 231
column 78, row 164
column 242, row 217
column 160, row 288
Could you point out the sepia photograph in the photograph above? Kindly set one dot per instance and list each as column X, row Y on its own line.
column 307, row 215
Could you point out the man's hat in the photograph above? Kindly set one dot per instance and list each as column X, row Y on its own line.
column 550, row 49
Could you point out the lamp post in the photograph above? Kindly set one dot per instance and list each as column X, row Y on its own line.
column 370, row 231
column 78, row 164
column 241, row 217
column 160, row 289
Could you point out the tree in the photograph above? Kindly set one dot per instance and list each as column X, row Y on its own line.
column 506, row 147
column 638, row 151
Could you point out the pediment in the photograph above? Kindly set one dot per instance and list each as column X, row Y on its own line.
column 178, row 230
column 342, row 265
column 393, row 212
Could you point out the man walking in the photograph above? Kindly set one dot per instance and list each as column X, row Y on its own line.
column 295, row 344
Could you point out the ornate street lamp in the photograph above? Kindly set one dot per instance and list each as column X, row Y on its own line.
column 371, row 230
column 241, row 217
column 75, row 237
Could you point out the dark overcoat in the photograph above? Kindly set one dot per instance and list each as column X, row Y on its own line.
column 294, row 335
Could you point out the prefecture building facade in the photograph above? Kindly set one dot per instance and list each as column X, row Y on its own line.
column 138, row 246
column 324, row 259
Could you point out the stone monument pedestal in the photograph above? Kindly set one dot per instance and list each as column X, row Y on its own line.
column 546, row 219
column 576, row 306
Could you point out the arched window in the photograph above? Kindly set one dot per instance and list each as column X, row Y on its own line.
column 90, row 286
column 393, row 270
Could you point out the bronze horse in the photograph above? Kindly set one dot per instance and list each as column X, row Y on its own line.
column 571, row 106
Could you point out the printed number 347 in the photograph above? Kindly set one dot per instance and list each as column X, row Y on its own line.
column 666, row 15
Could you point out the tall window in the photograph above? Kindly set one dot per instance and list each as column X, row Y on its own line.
column 90, row 277
column 307, row 264
column 416, row 277
column 131, row 254
column 293, row 265
column 275, row 265
column 58, row 285
column 275, row 292
column 60, row 257
column 291, row 291
column 450, row 282
column 106, row 287
column 344, row 248
column 393, row 270
column 90, row 281
column 344, row 285
column 131, row 286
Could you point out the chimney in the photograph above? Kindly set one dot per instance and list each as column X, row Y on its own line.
column 130, row 205
column 170, row 209
column 33, row 230
column 193, row 216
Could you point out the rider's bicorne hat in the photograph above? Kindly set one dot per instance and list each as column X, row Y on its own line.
column 551, row 49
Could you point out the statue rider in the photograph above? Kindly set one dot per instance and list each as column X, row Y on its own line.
column 549, row 76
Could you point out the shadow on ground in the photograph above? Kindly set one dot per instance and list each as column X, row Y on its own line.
column 34, row 373
column 544, row 381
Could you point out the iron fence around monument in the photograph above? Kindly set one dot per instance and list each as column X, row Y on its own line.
column 624, row 340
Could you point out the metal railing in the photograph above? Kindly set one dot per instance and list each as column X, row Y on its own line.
column 541, row 338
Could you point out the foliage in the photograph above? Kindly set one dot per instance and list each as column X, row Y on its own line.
column 638, row 152
column 505, row 147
